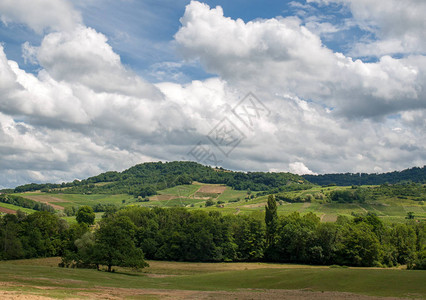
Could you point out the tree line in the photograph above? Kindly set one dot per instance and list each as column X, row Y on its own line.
column 181, row 235
column 415, row 174
column 133, row 234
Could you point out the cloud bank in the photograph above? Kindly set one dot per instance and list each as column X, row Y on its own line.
column 84, row 111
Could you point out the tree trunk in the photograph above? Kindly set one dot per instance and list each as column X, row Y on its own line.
column 109, row 268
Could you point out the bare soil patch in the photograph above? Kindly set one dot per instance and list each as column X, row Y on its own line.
column 15, row 295
column 150, row 275
column 162, row 197
column 328, row 218
column 12, row 295
column 56, row 199
column 47, row 200
column 44, row 198
column 212, row 189
column 7, row 210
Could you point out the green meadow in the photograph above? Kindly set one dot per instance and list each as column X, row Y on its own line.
column 42, row 277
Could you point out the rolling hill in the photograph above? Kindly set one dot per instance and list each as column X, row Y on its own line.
column 194, row 186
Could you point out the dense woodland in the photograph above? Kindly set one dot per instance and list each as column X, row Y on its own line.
column 415, row 174
column 132, row 234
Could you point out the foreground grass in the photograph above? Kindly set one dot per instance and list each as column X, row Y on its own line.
column 42, row 276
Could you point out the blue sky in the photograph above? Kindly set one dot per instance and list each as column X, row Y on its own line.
column 141, row 32
column 90, row 86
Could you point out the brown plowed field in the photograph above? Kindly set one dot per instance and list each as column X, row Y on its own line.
column 47, row 200
column 212, row 189
column 7, row 210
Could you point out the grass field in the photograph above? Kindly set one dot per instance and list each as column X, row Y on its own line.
column 179, row 280
column 69, row 200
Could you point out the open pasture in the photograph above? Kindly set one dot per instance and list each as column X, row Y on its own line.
column 179, row 280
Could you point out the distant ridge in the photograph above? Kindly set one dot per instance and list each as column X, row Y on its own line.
column 415, row 174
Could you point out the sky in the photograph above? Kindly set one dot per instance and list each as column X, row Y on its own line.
column 307, row 86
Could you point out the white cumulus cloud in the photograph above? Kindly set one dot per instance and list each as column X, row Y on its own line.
column 40, row 15
column 300, row 168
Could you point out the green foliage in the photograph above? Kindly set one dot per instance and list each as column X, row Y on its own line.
column 402, row 191
column 403, row 238
column 348, row 196
column 177, row 234
column 102, row 207
column 359, row 246
column 71, row 211
column 249, row 237
column 294, row 199
column 271, row 221
column 85, row 214
column 210, row 202
column 114, row 245
column 146, row 191
column 420, row 262
column 27, row 236
column 410, row 215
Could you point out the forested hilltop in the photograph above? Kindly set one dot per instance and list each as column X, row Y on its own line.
column 415, row 174
column 147, row 178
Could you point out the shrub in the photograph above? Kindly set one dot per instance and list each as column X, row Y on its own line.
column 209, row 202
